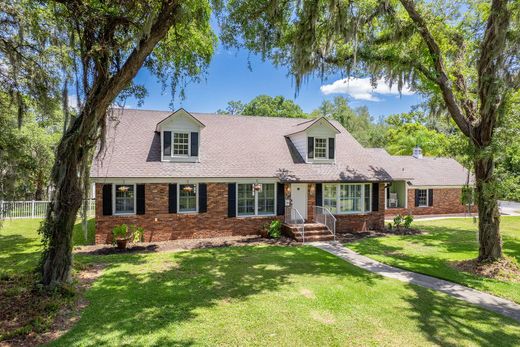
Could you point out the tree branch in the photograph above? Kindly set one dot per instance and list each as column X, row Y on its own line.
column 442, row 80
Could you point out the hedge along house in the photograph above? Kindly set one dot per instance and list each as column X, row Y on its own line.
column 192, row 175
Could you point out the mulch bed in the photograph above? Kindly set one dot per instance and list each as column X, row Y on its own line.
column 403, row 231
column 30, row 316
column 504, row 270
column 184, row 244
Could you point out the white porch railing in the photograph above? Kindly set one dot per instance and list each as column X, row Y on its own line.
column 323, row 216
column 295, row 219
column 33, row 209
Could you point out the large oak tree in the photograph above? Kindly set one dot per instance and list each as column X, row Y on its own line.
column 108, row 42
column 465, row 53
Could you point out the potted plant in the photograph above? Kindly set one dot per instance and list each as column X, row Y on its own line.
column 120, row 236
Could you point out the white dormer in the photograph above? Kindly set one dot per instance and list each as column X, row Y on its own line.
column 180, row 137
column 315, row 140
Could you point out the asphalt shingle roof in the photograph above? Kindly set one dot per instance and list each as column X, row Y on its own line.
column 425, row 171
column 230, row 147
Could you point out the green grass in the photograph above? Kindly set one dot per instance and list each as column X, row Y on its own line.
column 447, row 240
column 266, row 295
column 20, row 243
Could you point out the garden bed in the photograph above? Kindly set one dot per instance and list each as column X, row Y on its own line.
column 184, row 244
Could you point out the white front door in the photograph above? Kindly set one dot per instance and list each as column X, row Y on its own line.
column 299, row 198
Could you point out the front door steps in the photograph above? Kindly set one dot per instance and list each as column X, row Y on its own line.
column 313, row 232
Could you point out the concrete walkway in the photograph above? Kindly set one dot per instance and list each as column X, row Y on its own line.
column 487, row 301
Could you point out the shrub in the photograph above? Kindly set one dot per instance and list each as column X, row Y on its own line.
column 138, row 234
column 123, row 231
column 274, row 230
column 398, row 220
column 408, row 219
column 119, row 232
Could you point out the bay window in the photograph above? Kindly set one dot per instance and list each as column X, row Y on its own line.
column 347, row 198
column 256, row 199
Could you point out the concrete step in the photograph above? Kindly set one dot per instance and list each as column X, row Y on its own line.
column 314, row 238
column 313, row 232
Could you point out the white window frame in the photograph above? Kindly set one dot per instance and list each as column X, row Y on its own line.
column 114, row 212
column 338, row 203
column 427, row 198
column 326, row 148
column 173, row 144
column 196, row 198
column 256, row 201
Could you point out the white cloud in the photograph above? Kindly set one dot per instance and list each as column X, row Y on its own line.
column 361, row 89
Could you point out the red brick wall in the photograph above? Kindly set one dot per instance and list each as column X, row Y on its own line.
column 354, row 222
column 159, row 225
column 445, row 201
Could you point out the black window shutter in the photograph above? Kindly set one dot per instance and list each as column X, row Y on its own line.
column 232, row 200
column 375, row 196
column 172, row 198
column 416, row 197
column 140, row 199
column 167, row 143
column 203, row 198
column 430, row 197
column 107, row 199
column 331, row 148
column 194, row 144
column 319, row 194
column 280, row 199
column 310, row 147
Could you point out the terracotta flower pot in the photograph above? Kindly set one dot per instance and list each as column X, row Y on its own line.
column 121, row 243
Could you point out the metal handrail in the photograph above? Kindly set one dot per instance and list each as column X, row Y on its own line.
column 294, row 217
column 324, row 216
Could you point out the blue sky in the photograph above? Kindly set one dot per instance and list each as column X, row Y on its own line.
column 229, row 78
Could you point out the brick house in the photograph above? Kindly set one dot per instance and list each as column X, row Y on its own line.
column 191, row 175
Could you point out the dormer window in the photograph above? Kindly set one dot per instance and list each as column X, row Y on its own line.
column 320, row 148
column 180, row 137
column 181, row 144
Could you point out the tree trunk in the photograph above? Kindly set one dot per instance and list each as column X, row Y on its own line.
column 489, row 218
column 62, row 212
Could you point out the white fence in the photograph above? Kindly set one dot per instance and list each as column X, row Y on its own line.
column 34, row 209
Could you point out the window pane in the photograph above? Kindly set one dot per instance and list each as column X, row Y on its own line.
column 368, row 206
column 266, row 199
column 320, row 148
column 423, row 197
column 187, row 198
column 124, row 199
column 180, row 143
column 350, row 198
column 329, row 197
column 245, row 200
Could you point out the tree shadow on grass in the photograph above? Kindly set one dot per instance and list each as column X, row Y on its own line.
column 434, row 311
column 129, row 303
column 18, row 253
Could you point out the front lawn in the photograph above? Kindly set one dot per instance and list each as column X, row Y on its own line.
column 20, row 244
column 446, row 241
column 265, row 295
